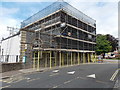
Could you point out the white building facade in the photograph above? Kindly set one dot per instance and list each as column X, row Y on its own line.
column 10, row 49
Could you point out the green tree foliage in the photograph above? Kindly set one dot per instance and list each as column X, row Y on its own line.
column 103, row 45
column 113, row 41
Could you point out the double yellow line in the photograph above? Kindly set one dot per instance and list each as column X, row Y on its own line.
column 114, row 75
column 5, row 86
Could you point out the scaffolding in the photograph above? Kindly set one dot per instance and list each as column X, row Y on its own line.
column 58, row 35
column 55, row 7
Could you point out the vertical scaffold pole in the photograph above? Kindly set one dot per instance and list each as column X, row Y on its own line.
column 92, row 57
column 60, row 59
column 55, row 58
column 46, row 60
column 95, row 57
column 83, row 57
column 78, row 58
column 50, row 60
column 88, row 58
column 38, row 64
column 74, row 58
column 71, row 58
column 34, row 60
column 67, row 58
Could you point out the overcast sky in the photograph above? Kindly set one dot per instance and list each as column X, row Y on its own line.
column 105, row 12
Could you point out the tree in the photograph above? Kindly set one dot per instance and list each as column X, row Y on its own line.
column 103, row 45
column 113, row 41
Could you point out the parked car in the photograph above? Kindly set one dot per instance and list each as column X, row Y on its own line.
column 109, row 55
column 116, row 54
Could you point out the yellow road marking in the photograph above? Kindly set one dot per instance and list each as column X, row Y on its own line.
column 67, row 82
column 62, row 83
column 3, row 81
column 9, row 81
column 5, row 86
column 114, row 75
column 17, row 80
column 33, row 80
column 101, row 82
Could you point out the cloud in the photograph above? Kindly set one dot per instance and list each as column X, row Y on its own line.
column 13, row 13
column 119, row 22
column 7, row 20
column 28, row 0
column 8, row 11
column 105, row 14
column 11, row 22
column 59, row 0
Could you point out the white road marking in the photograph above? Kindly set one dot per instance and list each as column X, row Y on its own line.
column 55, row 86
column 20, row 70
column 33, row 79
column 54, row 74
column 72, row 72
column 114, row 75
column 92, row 76
column 55, row 71
column 28, row 78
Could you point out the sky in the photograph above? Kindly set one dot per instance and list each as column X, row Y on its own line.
column 105, row 12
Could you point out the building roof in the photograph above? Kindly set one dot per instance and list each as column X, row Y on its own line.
column 18, row 33
column 57, row 6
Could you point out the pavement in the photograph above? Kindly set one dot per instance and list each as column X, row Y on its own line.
column 19, row 72
column 92, row 75
column 9, row 74
column 110, row 61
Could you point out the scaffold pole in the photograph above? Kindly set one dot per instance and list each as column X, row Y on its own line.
column 34, row 61
column 50, row 60
column 71, row 58
column 38, row 64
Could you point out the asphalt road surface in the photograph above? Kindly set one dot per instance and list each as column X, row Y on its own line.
column 79, row 76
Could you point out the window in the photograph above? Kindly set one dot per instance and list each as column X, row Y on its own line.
column 7, row 58
column 17, row 58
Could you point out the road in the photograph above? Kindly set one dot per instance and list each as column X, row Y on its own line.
column 104, row 76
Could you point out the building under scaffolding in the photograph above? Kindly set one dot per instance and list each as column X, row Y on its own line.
column 58, row 35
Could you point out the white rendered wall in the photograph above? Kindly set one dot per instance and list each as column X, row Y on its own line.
column 10, row 47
